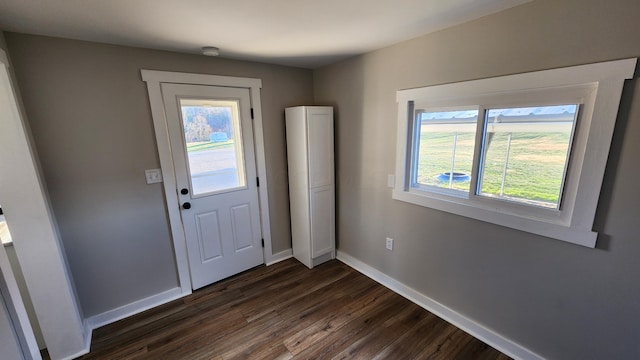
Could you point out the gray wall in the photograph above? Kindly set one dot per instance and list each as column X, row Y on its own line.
column 89, row 114
column 561, row 301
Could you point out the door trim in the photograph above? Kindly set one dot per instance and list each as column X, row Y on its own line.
column 154, row 79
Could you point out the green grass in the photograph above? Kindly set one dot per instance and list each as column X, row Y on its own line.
column 435, row 157
column 535, row 168
column 206, row 145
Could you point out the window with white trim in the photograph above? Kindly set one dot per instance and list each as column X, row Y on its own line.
column 526, row 151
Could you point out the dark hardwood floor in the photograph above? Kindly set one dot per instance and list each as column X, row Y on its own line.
column 286, row 311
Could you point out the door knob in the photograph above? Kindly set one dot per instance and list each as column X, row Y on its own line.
column 186, row 206
column 184, row 191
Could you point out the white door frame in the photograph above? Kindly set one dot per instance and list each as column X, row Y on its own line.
column 154, row 79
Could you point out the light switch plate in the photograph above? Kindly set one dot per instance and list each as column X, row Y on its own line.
column 153, row 176
column 389, row 243
column 391, row 180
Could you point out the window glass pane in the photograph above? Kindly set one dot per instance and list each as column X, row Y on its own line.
column 526, row 153
column 214, row 145
column 443, row 151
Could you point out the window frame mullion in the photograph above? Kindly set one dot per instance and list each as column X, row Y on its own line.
column 478, row 153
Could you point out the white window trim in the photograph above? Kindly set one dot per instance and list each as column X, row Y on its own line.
column 597, row 87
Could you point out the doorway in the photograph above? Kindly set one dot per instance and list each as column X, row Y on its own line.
column 210, row 142
column 213, row 156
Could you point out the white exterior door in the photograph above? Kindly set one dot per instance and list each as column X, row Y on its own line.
column 211, row 137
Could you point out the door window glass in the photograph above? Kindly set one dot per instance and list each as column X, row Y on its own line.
column 213, row 142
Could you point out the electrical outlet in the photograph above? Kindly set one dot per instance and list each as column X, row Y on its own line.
column 389, row 243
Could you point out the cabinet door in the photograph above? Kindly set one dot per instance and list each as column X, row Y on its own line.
column 322, row 220
column 320, row 146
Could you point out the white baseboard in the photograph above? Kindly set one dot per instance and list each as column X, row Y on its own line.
column 478, row 331
column 133, row 308
column 87, row 332
column 282, row 255
column 141, row 305
column 122, row 312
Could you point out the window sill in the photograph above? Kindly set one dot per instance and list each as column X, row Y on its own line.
column 544, row 227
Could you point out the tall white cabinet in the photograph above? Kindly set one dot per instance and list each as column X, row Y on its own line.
column 311, row 183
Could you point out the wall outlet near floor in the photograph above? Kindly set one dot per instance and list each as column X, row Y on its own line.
column 389, row 243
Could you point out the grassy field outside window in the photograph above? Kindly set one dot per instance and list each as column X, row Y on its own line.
column 535, row 166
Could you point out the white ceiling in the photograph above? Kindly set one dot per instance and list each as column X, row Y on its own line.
column 300, row 33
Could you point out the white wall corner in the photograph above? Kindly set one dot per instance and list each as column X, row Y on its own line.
column 87, row 333
column 36, row 240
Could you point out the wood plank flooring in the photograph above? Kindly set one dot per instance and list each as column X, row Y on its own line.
column 286, row 311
